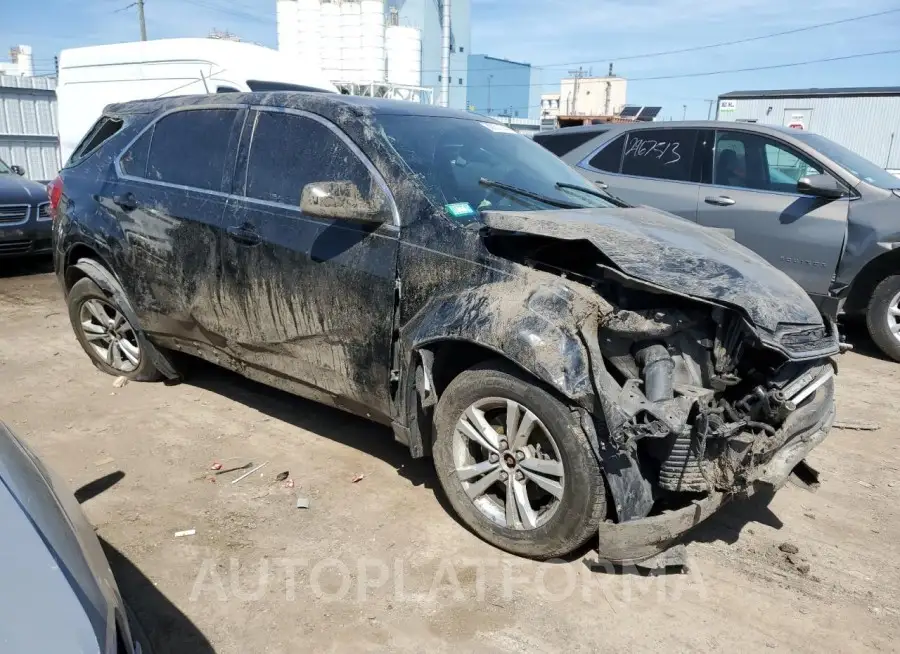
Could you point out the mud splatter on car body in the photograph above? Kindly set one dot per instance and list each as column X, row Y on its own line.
column 683, row 353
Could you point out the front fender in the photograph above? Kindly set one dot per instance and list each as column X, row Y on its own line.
column 536, row 326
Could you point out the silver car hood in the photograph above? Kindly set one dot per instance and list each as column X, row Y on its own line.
column 675, row 254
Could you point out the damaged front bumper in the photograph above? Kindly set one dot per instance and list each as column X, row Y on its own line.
column 643, row 539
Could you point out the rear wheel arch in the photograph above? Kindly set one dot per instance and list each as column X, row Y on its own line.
column 75, row 254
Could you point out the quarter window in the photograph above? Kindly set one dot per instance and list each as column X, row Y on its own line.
column 747, row 160
column 660, row 153
column 609, row 158
column 190, row 148
column 289, row 151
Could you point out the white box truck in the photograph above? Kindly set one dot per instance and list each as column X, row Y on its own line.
column 93, row 77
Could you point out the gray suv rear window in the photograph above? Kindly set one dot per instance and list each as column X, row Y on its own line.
column 661, row 154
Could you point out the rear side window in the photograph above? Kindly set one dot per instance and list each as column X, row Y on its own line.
column 190, row 148
column 661, row 154
column 134, row 161
column 102, row 131
column 277, row 173
column 559, row 143
column 610, row 157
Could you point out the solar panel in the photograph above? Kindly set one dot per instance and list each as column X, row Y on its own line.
column 629, row 112
column 647, row 114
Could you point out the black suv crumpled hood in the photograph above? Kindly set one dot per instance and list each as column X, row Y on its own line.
column 675, row 254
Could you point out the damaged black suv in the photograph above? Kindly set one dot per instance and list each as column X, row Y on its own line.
column 572, row 364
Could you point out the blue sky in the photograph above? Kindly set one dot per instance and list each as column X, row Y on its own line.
column 542, row 32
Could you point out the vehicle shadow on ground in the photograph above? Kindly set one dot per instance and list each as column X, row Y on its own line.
column 857, row 335
column 338, row 426
column 25, row 267
column 154, row 620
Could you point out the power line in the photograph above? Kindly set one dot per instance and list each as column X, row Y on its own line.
column 696, row 48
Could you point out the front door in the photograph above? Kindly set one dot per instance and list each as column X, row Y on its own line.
column 654, row 167
column 308, row 298
column 754, row 197
column 169, row 200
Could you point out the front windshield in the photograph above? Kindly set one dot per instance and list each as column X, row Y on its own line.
column 850, row 161
column 4, row 169
column 465, row 164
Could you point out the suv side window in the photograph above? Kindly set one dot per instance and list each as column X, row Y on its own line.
column 134, row 160
column 289, row 151
column 660, row 153
column 747, row 160
column 190, row 148
column 609, row 158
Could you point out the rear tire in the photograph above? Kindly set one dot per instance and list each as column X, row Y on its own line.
column 883, row 316
column 536, row 523
column 105, row 335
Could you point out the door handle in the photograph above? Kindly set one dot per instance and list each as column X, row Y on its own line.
column 126, row 200
column 245, row 234
column 601, row 185
column 720, row 200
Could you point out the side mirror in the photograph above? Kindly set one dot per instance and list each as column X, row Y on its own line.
column 821, row 186
column 341, row 200
column 18, row 170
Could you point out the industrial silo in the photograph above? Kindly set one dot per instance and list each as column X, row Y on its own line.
column 308, row 27
column 351, row 41
column 372, row 51
column 330, row 40
column 403, row 46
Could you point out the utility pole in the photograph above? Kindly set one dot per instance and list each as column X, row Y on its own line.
column 709, row 112
column 684, row 112
column 140, row 6
column 576, row 75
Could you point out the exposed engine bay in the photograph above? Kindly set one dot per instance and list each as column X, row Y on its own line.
column 687, row 387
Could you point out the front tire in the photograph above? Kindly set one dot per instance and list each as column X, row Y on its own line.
column 516, row 464
column 105, row 334
column 883, row 316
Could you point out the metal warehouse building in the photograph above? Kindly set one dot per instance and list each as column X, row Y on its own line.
column 28, row 132
column 866, row 120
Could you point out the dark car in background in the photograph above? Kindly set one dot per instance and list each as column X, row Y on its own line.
column 434, row 271
column 826, row 216
column 58, row 592
column 25, row 227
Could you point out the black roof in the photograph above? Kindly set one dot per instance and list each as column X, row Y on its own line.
column 810, row 93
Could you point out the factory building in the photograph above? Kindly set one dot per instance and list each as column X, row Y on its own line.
column 865, row 120
column 499, row 87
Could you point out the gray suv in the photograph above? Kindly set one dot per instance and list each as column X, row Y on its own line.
column 826, row 216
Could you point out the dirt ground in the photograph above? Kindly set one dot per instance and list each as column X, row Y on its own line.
column 381, row 564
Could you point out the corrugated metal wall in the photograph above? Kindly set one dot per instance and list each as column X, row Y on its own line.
column 862, row 123
column 28, row 132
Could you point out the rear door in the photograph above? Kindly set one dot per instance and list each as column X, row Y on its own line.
column 169, row 200
column 753, row 196
column 655, row 167
column 309, row 298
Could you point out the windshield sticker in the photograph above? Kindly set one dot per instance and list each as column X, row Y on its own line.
column 500, row 129
column 460, row 210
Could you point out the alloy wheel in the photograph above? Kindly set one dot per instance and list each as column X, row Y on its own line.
column 508, row 463
column 110, row 335
column 893, row 316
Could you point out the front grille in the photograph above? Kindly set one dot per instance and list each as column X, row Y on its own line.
column 15, row 247
column 13, row 214
column 43, row 211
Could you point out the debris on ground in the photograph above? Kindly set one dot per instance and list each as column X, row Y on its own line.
column 281, row 476
column 811, row 516
column 103, row 462
column 789, row 548
column 358, row 478
column 861, row 425
column 216, row 466
column 119, row 382
column 249, row 472
column 302, row 502
column 865, row 483
column 186, row 532
column 289, row 483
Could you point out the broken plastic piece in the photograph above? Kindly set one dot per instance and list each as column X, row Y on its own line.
column 186, row 532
